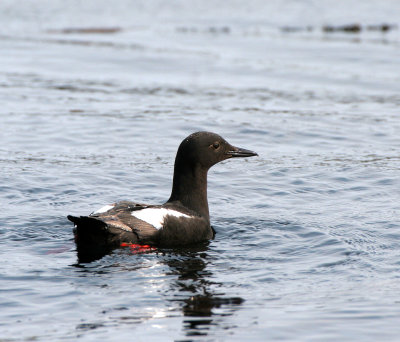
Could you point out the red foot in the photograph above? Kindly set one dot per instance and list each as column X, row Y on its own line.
column 135, row 248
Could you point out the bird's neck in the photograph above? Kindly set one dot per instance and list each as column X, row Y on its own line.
column 190, row 188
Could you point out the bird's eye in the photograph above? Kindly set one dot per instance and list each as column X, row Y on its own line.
column 216, row 145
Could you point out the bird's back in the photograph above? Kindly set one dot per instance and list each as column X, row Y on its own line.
column 166, row 225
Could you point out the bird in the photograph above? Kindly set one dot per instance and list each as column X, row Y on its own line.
column 182, row 220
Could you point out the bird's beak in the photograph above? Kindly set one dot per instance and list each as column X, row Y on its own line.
column 236, row 152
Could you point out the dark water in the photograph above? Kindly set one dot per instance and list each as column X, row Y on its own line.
column 308, row 234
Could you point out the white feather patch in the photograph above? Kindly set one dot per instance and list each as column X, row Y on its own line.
column 103, row 209
column 156, row 216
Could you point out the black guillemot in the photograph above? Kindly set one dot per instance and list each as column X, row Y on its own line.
column 183, row 220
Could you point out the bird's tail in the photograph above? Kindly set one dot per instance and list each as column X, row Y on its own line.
column 92, row 237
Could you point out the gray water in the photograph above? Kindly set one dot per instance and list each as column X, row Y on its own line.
column 308, row 233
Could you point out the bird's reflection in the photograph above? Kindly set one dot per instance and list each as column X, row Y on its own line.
column 202, row 300
column 88, row 255
column 193, row 289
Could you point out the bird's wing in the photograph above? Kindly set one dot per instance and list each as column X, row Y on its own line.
column 118, row 216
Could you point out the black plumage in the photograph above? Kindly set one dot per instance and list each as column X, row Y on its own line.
column 189, row 221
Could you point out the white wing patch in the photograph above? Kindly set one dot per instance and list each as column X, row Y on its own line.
column 103, row 209
column 156, row 216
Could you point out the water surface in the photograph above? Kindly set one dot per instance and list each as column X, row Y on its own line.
column 307, row 244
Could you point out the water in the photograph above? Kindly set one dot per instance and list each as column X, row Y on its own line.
column 307, row 244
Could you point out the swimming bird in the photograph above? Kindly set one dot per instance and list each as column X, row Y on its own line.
column 183, row 220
